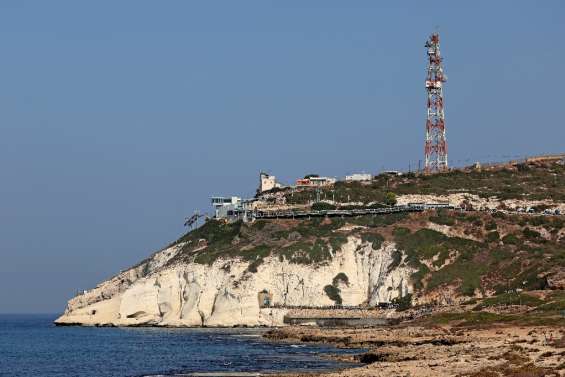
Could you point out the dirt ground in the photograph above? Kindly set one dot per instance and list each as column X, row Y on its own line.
column 414, row 351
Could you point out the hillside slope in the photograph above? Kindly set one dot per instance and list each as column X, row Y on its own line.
column 254, row 273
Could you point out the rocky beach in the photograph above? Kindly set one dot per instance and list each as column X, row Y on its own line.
column 441, row 350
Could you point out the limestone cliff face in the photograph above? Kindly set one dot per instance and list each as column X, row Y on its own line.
column 226, row 293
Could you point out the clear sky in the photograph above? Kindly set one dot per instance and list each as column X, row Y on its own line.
column 119, row 118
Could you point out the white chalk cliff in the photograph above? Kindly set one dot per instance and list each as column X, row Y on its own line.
column 226, row 293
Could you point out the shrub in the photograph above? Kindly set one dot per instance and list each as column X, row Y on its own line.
column 259, row 224
column 337, row 241
column 510, row 239
column 390, row 198
column 426, row 243
column 396, row 259
column 379, row 221
column 509, row 299
column 402, row 303
column 256, row 256
column 493, row 236
column 333, row 293
column 322, row 206
column 442, row 256
column 341, row 277
column 400, row 231
column 376, row 240
column 499, row 215
column 531, row 234
column 442, row 220
column 302, row 252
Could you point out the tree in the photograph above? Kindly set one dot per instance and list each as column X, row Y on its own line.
column 390, row 198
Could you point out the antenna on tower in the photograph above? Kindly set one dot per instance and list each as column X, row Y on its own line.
column 435, row 149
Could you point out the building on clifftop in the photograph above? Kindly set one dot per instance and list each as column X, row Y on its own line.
column 267, row 182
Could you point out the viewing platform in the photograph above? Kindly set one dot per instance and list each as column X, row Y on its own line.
column 338, row 212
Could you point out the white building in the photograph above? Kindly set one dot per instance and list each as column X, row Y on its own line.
column 225, row 206
column 322, row 181
column 315, row 181
column 267, row 182
column 233, row 207
column 358, row 177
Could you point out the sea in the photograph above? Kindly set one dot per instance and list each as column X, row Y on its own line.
column 30, row 345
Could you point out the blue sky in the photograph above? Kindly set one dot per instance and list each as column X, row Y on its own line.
column 117, row 119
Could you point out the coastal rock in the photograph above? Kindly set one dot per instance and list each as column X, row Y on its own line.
column 226, row 293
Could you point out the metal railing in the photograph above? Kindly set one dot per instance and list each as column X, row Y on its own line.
column 338, row 212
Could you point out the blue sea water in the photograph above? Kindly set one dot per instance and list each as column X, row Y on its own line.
column 30, row 345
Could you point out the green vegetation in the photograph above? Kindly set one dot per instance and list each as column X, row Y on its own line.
column 390, row 198
column 379, row 221
column 469, row 318
column 318, row 227
column 255, row 256
column 544, row 313
column 555, row 302
column 441, row 257
column 493, row 236
column 396, row 259
column 311, row 242
column 322, row 206
column 402, row 303
column 427, row 243
column 376, row 240
column 531, row 234
column 551, row 224
column 491, row 225
column 333, row 293
column 496, row 252
column 504, row 183
column 213, row 231
column 259, row 224
column 341, row 277
column 337, row 241
column 219, row 238
column 305, row 252
column 509, row 299
column 442, row 218
column 510, row 239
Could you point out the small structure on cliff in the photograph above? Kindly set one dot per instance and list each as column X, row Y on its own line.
column 267, row 182
column 265, row 298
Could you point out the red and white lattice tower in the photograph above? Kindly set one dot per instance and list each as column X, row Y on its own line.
column 436, row 144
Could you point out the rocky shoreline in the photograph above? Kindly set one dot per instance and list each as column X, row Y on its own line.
column 446, row 350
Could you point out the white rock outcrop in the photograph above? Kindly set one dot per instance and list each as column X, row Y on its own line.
column 226, row 293
column 478, row 202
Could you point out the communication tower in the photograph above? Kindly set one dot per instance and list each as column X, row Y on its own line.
column 435, row 149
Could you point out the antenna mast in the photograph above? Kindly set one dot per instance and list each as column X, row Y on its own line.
column 436, row 144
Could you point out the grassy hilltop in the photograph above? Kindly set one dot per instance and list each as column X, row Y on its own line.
column 535, row 180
